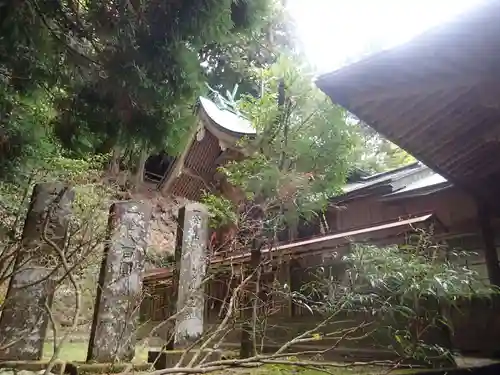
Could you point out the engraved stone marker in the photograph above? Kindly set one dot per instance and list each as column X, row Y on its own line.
column 24, row 319
column 116, row 312
column 191, row 263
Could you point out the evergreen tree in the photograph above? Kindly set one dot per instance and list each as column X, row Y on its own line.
column 122, row 74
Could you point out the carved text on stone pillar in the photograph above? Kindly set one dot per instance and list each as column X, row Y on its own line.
column 120, row 284
column 24, row 318
column 191, row 270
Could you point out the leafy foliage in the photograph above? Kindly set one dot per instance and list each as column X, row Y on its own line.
column 25, row 138
column 410, row 275
column 117, row 76
column 150, row 66
column 239, row 62
column 83, row 174
column 406, row 291
column 221, row 210
column 376, row 154
column 301, row 153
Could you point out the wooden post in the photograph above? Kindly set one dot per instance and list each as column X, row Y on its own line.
column 24, row 318
column 247, row 347
column 490, row 251
column 296, row 273
column 284, row 278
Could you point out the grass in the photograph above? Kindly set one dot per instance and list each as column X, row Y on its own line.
column 77, row 352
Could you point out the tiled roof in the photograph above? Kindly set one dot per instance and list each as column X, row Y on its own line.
column 432, row 181
column 383, row 177
column 411, row 177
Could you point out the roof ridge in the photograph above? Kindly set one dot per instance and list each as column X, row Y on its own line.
column 408, row 167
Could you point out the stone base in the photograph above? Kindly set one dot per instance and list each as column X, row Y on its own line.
column 169, row 358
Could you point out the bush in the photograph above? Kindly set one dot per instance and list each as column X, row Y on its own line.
column 26, row 141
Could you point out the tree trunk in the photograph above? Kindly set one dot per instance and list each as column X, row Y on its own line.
column 114, row 163
column 139, row 175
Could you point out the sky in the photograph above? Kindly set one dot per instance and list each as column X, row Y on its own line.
column 336, row 32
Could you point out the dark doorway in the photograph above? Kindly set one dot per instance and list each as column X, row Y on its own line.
column 157, row 166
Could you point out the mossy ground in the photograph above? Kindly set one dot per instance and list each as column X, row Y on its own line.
column 77, row 352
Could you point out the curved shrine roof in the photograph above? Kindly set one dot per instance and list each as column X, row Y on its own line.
column 227, row 120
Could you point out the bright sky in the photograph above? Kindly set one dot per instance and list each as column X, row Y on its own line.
column 334, row 32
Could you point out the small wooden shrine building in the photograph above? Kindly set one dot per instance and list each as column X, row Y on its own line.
column 213, row 142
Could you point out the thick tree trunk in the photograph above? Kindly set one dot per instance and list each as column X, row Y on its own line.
column 139, row 175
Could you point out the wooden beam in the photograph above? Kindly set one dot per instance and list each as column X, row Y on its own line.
column 168, row 180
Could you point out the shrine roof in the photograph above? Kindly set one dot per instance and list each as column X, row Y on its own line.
column 403, row 180
column 228, row 120
column 436, row 97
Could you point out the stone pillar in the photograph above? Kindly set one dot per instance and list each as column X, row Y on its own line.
column 116, row 311
column 191, row 263
column 24, row 319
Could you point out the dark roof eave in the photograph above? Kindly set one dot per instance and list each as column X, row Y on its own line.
column 408, row 75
